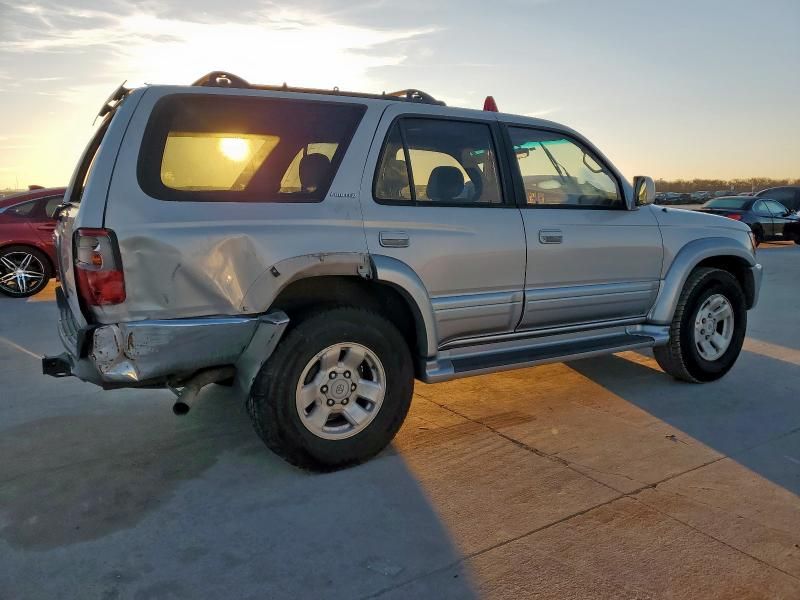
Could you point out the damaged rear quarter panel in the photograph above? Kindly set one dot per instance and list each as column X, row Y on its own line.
column 188, row 259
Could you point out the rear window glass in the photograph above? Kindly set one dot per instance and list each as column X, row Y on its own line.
column 23, row 210
column 727, row 203
column 221, row 148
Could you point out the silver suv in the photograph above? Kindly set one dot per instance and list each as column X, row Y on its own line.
column 320, row 250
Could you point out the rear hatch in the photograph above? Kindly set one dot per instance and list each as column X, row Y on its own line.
column 84, row 207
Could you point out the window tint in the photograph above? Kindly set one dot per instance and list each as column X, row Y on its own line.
column 727, row 203
column 776, row 208
column 760, row 208
column 556, row 171
column 22, row 210
column 451, row 162
column 291, row 179
column 218, row 148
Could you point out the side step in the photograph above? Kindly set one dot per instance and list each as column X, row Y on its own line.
column 444, row 369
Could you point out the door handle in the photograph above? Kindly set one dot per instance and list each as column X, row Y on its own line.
column 394, row 239
column 550, row 236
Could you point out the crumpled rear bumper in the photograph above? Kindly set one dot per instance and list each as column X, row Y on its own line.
column 155, row 351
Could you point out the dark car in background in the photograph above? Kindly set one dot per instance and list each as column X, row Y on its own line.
column 768, row 219
column 788, row 195
column 27, row 252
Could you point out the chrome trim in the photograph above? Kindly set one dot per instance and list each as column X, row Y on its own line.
column 539, row 332
column 438, row 370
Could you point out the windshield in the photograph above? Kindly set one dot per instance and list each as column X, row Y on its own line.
column 734, row 203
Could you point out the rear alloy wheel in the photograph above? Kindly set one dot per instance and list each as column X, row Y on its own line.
column 336, row 389
column 24, row 271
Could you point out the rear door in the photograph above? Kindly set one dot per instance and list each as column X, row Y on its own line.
column 765, row 218
column 589, row 258
column 440, row 203
column 780, row 217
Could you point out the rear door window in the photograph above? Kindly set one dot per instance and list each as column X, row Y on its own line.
column 435, row 161
column 224, row 148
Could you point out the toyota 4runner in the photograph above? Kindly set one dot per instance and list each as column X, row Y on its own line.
column 320, row 250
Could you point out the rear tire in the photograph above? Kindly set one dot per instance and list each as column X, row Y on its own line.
column 24, row 271
column 758, row 235
column 340, row 427
column 689, row 355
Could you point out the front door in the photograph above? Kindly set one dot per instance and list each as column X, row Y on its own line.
column 438, row 204
column 589, row 258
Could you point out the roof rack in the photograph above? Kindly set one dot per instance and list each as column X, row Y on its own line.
column 228, row 80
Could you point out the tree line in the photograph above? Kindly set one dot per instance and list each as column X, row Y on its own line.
column 753, row 184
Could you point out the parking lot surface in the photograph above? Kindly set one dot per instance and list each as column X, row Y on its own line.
column 596, row 478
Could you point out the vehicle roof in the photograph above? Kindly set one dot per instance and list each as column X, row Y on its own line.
column 779, row 187
column 31, row 195
column 368, row 99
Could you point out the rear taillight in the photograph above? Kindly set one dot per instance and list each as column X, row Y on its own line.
column 734, row 216
column 98, row 268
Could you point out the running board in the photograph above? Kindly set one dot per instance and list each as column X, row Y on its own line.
column 446, row 368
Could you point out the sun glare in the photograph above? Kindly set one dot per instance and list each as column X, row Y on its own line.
column 233, row 148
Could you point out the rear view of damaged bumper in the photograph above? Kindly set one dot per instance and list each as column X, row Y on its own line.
column 154, row 352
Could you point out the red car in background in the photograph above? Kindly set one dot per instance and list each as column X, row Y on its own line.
column 27, row 253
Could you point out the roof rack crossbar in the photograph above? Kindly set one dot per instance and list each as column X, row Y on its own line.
column 226, row 79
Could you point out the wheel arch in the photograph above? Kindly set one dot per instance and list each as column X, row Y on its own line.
column 721, row 253
column 304, row 295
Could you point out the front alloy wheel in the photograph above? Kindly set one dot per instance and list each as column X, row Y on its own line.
column 713, row 327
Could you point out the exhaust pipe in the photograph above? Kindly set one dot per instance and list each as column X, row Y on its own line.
column 189, row 392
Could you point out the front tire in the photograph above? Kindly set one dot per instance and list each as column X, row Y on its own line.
column 708, row 328
column 335, row 391
column 24, row 271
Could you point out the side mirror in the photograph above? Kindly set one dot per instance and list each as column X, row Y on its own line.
column 644, row 190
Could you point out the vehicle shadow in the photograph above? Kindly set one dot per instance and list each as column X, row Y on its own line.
column 753, row 420
column 227, row 513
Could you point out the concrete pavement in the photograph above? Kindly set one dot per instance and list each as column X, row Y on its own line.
column 597, row 478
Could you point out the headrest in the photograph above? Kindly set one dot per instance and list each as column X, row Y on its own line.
column 445, row 183
column 314, row 170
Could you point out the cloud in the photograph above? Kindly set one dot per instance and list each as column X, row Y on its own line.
column 537, row 114
column 273, row 45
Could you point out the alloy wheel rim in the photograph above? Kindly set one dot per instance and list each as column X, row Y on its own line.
column 20, row 272
column 713, row 327
column 341, row 390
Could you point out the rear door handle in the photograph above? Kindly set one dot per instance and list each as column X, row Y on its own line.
column 550, row 236
column 394, row 239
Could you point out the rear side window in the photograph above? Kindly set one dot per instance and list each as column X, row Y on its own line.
column 430, row 161
column 22, row 210
column 224, row 148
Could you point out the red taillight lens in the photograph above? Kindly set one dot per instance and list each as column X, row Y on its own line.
column 734, row 216
column 98, row 270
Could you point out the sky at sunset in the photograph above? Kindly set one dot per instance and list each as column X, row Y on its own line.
column 679, row 88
